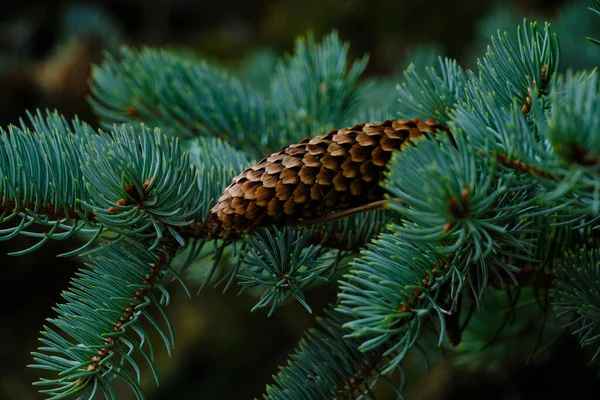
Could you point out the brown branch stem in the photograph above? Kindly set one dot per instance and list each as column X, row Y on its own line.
column 49, row 210
column 150, row 279
column 374, row 206
column 518, row 165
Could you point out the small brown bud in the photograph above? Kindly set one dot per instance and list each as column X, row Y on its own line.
column 147, row 183
column 448, row 226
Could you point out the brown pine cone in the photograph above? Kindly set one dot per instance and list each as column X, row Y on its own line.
column 317, row 176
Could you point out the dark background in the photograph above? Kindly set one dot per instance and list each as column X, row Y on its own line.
column 222, row 350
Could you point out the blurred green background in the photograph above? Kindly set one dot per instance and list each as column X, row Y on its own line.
column 222, row 350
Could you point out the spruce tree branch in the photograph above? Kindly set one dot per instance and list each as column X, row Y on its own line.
column 153, row 112
column 512, row 70
column 338, row 237
column 519, row 166
column 101, row 321
column 148, row 284
column 370, row 371
column 578, row 295
column 325, row 363
column 315, row 87
column 48, row 210
column 121, row 181
column 527, row 276
column 386, row 299
column 195, row 99
column 42, row 180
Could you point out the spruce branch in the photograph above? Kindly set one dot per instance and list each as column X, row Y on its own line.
column 456, row 203
column 311, row 89
column 141, row 184
column 102, row 320
column 71, row 179
column 281, row 261
column 326, row 366
column 578, row 295
column 463, row 209
column 572, row 126
column 316, row 84
column 183, row 98
column 574, row 118
column 449, row 195
column 503, row 132
column 312, row 373
column 436, row 94
column 514, row 71
column 500, row 130
column 391, row 288
column 42, row 182
column 512, row 76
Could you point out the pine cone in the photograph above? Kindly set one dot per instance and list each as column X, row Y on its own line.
column 317, row 176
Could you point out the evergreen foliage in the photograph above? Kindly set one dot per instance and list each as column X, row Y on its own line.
column 104, row 310
column 310, row 89
column 313, row 373
column 511, row 188
column 282, row 262
column 577, row 293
